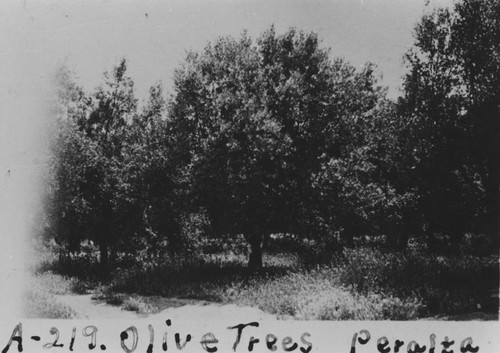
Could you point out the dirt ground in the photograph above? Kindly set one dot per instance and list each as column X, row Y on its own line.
column 88, row 308
column 174, row 308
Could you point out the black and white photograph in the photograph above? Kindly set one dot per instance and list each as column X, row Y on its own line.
column 323, row 160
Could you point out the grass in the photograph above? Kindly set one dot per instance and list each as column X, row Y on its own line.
column 445, row 284
column 365, row 283
column 40, row 300
column 41, row 305
column 195, row 278
column 138, row 305
column 318, row 295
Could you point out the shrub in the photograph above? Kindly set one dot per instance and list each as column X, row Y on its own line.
column 339, row 304
column 445, row 284
column 53, row 283
column 40, row 299
column 178, row 276
column 136, row 304
column 42, row 305
column 317, row 295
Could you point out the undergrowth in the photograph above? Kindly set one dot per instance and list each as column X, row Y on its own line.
column 365, row 283
column 318, row 295
column 445, row 284
column 40, row 297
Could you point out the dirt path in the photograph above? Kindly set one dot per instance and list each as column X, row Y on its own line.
column 88, row 308
column 189, row 309
column 209, row 311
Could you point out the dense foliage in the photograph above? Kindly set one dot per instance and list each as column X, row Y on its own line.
column 111, row 180
column 452, row 113
column 277, row 138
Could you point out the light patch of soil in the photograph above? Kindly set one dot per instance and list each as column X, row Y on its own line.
column 175, row 308
column 192, row 309
column 88, row 308
column 208, row 311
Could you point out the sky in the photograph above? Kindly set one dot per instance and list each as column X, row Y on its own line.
column 91, row 36
column 37, row 36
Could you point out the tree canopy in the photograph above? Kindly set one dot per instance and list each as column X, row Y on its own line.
column 110, row 166
column 452, row 97
column 277, row 136
column 258, row 123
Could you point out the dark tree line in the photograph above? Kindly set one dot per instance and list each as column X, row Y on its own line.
column 452, row 105
column 276, row 136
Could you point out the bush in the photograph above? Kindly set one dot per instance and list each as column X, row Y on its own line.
column 136, row 304
column 445, row 284
column 178, row 276
column 366, row 283
column 318, row 295
column 42, row 305
column 40, row 298
column 54, row 284
column 339, row 304
column 83, row 264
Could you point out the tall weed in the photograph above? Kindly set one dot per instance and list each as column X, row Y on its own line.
column 318, row 295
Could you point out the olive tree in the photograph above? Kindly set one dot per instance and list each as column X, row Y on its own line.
column 254, row 125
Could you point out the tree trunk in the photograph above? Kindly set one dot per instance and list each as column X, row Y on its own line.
column 492, row 186
column 104, row 258
column 255, row 258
